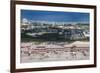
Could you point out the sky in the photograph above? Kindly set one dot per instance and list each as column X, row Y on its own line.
column 55, row 16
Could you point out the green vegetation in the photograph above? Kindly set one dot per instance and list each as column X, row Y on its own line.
column 53, row 34
column 83, row 26
column 47, row 37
